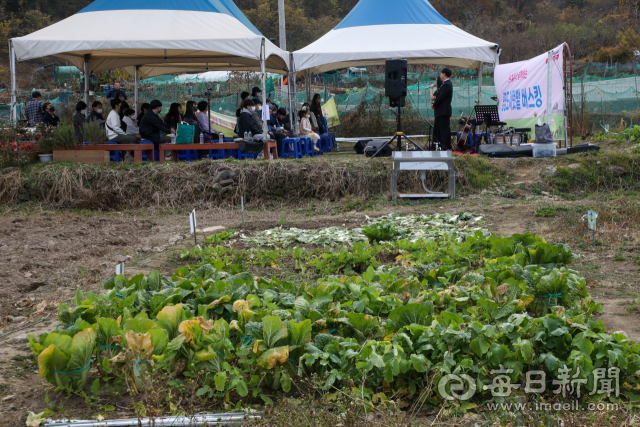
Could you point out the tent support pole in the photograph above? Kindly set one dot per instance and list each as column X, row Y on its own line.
column 265, row 129
column 294, row 122
column 14, row 89
column 479, row 83
column 86, row 82
column 307, row 81
column 136, row 82
column 291, row 92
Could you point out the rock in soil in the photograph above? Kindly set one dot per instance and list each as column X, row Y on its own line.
column 616, row 170
column 226, row 182
column 33, row 286
column 549, row 171
column 226, row 175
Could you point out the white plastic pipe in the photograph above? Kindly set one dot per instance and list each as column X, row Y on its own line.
column 174, row 421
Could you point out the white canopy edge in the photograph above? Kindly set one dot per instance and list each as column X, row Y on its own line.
column 158, row 41
column 429, row 44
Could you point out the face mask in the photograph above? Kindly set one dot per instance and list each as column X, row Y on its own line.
column 259, row 107
column 252, row 108
column 52, row 110
column 99, row 111
column 83, row 112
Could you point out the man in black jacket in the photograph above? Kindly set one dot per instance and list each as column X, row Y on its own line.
column 152, row 128
column 442, row 107
column 245, row 121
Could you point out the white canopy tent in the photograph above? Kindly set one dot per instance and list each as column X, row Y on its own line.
column 377, row 30
column 151, row 38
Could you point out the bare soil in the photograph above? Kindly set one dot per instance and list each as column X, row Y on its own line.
column 48, row 254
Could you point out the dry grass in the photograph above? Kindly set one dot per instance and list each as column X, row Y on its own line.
column 111, row 186
column 10, row 184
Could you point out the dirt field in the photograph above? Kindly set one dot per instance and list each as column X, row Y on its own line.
column 47, row 254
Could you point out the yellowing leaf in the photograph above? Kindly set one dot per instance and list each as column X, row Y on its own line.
column 241, row 305
column 219, row 301
column 259, row 346
column 140, row 344
column 388, row 337
column 34, row 420
column 270, row 358
column 186, row 327
column 274, row 265
column 528, row 299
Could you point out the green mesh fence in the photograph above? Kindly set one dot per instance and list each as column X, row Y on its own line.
column 599, row 93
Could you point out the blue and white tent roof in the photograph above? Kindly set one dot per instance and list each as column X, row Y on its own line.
column 159, row 36
column 376, row 30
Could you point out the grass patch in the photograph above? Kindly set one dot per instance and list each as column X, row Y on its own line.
column 479, row 171
column 599, row 173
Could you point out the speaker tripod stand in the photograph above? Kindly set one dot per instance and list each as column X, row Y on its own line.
column 397, row 137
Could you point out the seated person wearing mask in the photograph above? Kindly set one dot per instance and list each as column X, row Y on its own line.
column 174, row 116
column 143, row 109
column 191, row 119
column 314, row 122
column 243, row 97
column 283, row 120
column 273, row 120
column 245, row 121
column 152, row 128
column 256, row 114
column 305, row 127
column 49, row 118
column 203, row 118
column 131, row 122
column 78, row 121
column 114, row 130
column 123, row 107
column 96, row 113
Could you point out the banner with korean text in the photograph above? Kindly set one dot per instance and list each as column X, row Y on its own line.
column 528, row 89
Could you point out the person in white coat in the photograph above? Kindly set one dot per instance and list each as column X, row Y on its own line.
column 305, row 127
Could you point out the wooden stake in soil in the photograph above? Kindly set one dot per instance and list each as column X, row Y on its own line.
column 242, row 206
column 120, row 269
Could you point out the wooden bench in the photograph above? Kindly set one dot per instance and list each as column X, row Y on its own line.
column 174, row 148
column 67, row 154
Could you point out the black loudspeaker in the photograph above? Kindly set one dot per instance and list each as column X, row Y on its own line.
column 374, row 146
column 395, row 80
column 360, row 145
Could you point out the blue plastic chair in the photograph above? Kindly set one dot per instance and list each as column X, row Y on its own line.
column 307, row 146
column 218, row 154
column 241, row 156
column 325, row 143
column 156, row 153
column 290, row 147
